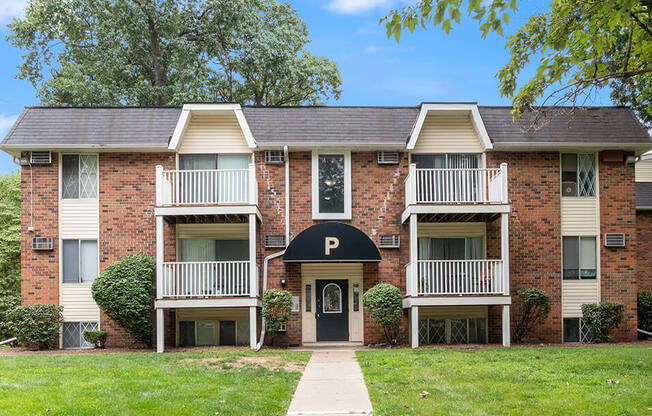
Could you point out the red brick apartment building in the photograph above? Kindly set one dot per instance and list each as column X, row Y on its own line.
column 456, row 204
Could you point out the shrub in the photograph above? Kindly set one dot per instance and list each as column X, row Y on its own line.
column 7, row 303
column 601, row 318
column 98, row 338
column 125, row 291
column 644, row 307
column 277, row 305
column 385, row 305
column 532, row 307
column 36, row 325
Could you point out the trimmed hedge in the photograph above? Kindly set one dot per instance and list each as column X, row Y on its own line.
column 36, row 325
column 277, row 305
column 644, row 306
column 7, row 303
column 602, row 317
column 533, row 308
column 385, row 305
column 96, row 337
column 125, row 292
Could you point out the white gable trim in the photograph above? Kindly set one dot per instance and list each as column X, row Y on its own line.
column 189, row 109
column 442, row 108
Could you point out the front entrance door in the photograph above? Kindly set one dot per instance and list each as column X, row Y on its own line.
column 332, row 314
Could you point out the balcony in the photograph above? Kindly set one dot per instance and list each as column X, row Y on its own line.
column 456, row 278
column 210, row 279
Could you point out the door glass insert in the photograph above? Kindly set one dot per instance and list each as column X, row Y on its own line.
column 332, row 298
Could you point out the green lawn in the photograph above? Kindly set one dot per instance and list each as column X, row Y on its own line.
column 146, row 384
column 516, row 381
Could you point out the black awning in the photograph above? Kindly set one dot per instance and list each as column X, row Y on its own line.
column 331, row 242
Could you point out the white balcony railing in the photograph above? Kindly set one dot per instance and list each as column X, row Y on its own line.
column 456, row 186
column 209, row 279
column 456, row 277
column 206, row 187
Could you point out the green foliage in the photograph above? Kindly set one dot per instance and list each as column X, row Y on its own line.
column 9, row 235
column 580, row 47
column 125, row 291
column 96, row 337
column 36, row 325
column 7, row 303
column 385, row 305
column 644, row 308
column 532, row 307
column 601, row 318
column 277, row 305
column 167, row 52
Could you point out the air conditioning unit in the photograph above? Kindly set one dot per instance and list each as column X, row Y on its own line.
column 274, row 156
column 389, row 241
column 387, row 158
column 42, row 243
column 40, row 158
column 274, row 241
column 614, row 239
column 282, row 328
column 569, row 189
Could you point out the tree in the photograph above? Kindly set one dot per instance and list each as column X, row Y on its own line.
column 10, row 234
column 166, row 52
column 581, row 47
column 532, row 308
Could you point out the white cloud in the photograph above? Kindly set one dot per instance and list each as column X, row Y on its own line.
column 11, row 8
column 357, row 6
column 371, row 49
column 6, row 121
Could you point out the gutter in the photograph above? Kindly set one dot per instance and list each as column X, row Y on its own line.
column 287, row 241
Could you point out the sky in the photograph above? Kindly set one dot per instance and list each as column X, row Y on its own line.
column 427, row 65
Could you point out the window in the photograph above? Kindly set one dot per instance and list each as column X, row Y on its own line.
column 453, row 331
column 79, row 261
column 579, row 258
column 578, row 174
column 447, row 161
column 331, row 185
column 576, row 331
column 204, row 249
column 463, row 248
column 356, row 297
column 332, row 298
column 73, row 334
column 79, row 176
column 308, row 298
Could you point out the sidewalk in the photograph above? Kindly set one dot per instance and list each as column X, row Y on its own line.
column 332, row 384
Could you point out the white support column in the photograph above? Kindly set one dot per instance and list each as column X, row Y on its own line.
column 506, row 327
column 411, row 186
column 413, row 267
column 160, row 330
column 414, row 327
column 159, row 185
column 253, row 276
column 252, row 326
column 160, row 253
column 505, row 190
column 504, row 249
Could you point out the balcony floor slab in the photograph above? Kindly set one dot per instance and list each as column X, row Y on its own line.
column 409, row 302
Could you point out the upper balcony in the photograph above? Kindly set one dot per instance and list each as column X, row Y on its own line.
column 450, row 191
column 207, row 191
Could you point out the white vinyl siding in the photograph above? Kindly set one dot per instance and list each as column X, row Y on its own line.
column 79, row 218
column 448, row 134
column 215, row 231
column 579, row 216
column 452, row 229
column 214, row 134
column 643, row 171
column 575, row 294
column 78, row 304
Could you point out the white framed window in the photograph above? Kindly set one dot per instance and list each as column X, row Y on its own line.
column 578, row 176
column 331, row 185
column 79, row 176
column 80, row 263
column 73, row 334
column 579, row 258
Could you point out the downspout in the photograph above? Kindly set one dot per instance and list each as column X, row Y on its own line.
column 287, row 241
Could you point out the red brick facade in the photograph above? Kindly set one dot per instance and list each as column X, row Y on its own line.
column 127, row 225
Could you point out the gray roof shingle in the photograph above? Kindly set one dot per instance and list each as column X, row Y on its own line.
column 643, row 194
column 360, row 125
column 580, row 125
column 130, row 126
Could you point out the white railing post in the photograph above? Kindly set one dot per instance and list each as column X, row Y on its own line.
column 411, row 186
column 252, row 256
column 504, row 249
column 503, row 174
column 253, row 185
column 159, row 185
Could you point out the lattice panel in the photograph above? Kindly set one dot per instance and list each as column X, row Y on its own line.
column 437, row 331
column 586, row 174
column 586, row 336
column 87, row 176
column 423, row 332
column 459, row 331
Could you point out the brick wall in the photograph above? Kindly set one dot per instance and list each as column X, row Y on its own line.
column 618, row 272
column 40, row 269
column 643, row 249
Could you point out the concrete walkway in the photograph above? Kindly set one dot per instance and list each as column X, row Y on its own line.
column 332, row 385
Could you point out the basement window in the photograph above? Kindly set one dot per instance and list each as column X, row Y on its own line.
column 73, row 334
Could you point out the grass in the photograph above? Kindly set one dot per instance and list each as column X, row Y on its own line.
column 516, row 381
column 145, row 384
